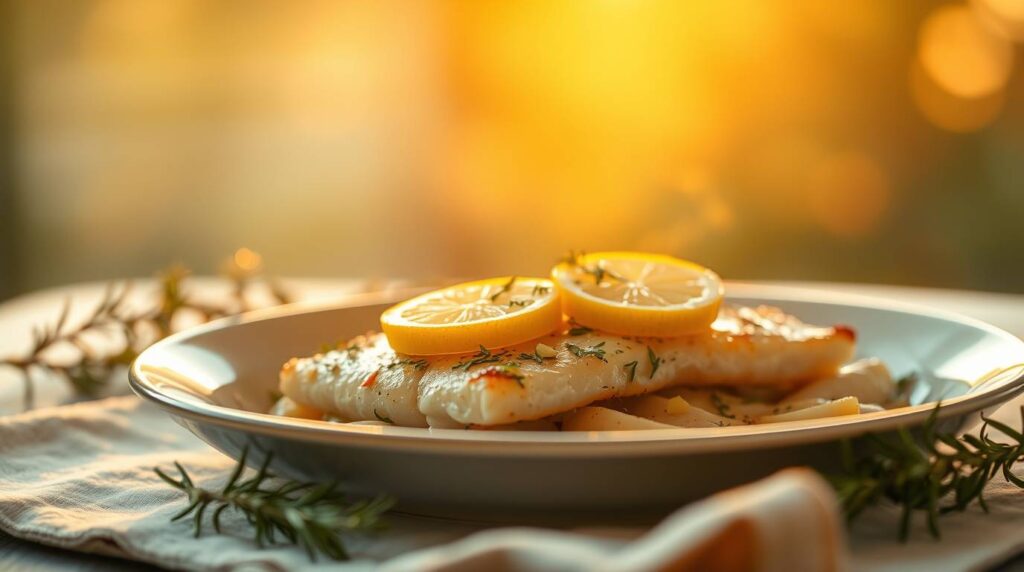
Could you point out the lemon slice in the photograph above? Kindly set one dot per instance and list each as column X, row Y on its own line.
column 638, row 294
column 459, row 319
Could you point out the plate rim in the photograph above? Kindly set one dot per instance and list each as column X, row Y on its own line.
column 577, row 444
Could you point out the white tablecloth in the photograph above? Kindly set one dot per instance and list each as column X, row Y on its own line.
column 971, row 540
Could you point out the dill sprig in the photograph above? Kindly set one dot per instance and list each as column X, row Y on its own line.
column 311, row 515
column 937, row 473
column 596, row 350
column 129, row 331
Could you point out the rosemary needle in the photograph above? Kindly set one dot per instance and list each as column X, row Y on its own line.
column 89, row 371
column 313, row 516
column 935, row 474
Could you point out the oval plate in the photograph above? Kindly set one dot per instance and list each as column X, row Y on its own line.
column 219, row 379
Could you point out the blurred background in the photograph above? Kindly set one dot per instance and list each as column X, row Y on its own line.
column 870, row 141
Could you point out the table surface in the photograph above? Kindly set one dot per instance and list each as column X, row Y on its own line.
column 19, row 315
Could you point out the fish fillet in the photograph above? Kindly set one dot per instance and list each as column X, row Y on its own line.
column 746, row 346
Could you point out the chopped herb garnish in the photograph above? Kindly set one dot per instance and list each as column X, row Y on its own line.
column 418, row 363
column 721, row 405
column 630, row 371
column 505, row 288
column 539, row 290
column 481, row 357
column 535, row 356
column 578, row 330
column 532, row 357
column 382, row 417
column 655, row 361
column 598, row 271
column 520, row 303
column 594, row 351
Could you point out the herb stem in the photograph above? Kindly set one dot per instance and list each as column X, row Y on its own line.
column 313, row 516
column 917, row 473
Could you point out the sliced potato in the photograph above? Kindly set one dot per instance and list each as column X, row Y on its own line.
column 604, row 419
column 836, row 408
column 672, row 411
column 868, row 380
column 724, row 404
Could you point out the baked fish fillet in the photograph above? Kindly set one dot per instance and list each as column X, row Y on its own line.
column 366, row 380
column 746, row 346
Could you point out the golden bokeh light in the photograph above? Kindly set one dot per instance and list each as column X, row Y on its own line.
column 696, row 212
column 849, row 194
column 1006, row 16
column 951, row 113
column 962, row 55
column 446, row 137
column 247, row 259
column 780, row 171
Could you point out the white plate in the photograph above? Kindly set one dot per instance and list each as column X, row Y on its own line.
column 217, row 380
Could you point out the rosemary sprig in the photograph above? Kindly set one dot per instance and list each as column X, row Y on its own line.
column 128, row 331
column 596, row 350
column 313, row 516
column 921, row 474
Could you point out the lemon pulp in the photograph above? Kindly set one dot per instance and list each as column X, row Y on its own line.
column 491, row 313
column 639, row 294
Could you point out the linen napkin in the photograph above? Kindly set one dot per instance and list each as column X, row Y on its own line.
column 80, row 477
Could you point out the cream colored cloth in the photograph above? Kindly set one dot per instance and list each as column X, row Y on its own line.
column 81, row 477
